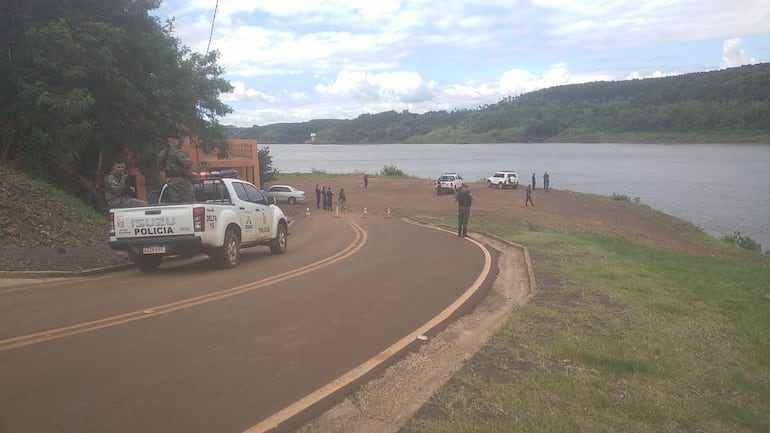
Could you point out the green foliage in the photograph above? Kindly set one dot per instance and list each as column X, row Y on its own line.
column 742, row 241
column 619, row 197
column 392, row 170
column 86, row 82
column 267, row 172
column 731, row 105
column 619, row 337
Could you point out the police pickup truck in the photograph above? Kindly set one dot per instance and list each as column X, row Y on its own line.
column 229, row 214
column 448, row 182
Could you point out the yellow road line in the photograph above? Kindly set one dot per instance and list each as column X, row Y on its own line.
column 358, row 372
column 80, row 328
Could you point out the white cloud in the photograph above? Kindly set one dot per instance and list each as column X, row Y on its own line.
column 734, row 55
column 404, row 87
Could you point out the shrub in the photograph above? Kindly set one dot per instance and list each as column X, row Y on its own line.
column 619, row 197
column 392, row 170
column 742, row 241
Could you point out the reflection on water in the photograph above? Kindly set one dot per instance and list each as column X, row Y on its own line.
column 719, row 187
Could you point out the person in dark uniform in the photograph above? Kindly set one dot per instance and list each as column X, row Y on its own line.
column 323, row 197
column 464, row 201
column 533, row 182
column 528, row 200
column 329, row 198
column 546, row 181
column 366, row 181
column 317, row 196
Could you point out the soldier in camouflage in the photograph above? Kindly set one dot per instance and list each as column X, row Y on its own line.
column 178, row 168
column 116, row 192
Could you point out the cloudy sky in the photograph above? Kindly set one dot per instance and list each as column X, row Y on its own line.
column 297, row 60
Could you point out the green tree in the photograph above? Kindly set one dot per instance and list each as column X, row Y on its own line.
column 84, row 81
column 267, row 172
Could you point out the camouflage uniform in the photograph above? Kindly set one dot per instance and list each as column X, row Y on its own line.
column 116, row 194
column 178, row 168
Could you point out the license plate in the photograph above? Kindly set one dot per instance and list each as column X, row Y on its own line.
column 154, row 250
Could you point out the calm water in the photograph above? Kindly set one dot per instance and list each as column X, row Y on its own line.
column 719, row 187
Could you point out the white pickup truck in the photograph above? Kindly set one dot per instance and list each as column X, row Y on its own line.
column 449, row 182
column 229, row 214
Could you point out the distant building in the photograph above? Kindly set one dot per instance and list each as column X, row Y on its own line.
column 244, row 157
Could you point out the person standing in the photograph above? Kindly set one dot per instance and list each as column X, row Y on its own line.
column 533, row 182
column 329, row 198
column 366, row 181
column 341, row 197
column 178, row 168
column 323, row 196
column 528, row 200
column 116, row 192
column 546, row 181
column 317, row 196
column 464, row 200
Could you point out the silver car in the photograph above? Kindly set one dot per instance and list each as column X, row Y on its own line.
column 286, row 194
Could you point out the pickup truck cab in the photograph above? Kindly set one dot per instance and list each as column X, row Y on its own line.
column 449, row 182
column 229, row 214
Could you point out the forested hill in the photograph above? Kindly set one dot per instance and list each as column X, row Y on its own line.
column 731, row 105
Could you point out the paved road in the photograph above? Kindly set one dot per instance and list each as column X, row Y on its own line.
column 190, row 348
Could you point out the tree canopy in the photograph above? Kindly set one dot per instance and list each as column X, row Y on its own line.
column 87, row 81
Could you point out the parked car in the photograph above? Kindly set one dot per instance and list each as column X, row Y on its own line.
column 286, row 194
column 504, row 179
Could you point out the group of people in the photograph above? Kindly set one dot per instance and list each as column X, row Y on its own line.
column 118, row 192
column 464, row 200
column 531, row 187
column 325, row 196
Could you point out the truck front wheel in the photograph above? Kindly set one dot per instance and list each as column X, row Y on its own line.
column 229, row 253
column 278, row 244
column 146, row 263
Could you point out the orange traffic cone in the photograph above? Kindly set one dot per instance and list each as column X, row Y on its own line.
column 337, row 213
column 366, row 214
column 307, row 212
column 388, row 215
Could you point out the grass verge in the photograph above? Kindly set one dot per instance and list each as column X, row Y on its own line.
column 619, row 337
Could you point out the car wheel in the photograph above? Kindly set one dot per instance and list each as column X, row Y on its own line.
column 147, row 263
column 489, row 184
column 292, row 200
column 281, row 240
column 230, row 252
column 500, row 185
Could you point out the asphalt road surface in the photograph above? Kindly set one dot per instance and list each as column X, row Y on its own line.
column 266, row 345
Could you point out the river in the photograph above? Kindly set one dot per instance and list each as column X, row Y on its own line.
column 721, row 188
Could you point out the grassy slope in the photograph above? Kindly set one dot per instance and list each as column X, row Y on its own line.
column 620, row 337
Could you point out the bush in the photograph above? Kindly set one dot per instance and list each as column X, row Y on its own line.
column 619, row 197
column 742, row 241
column 392, row 170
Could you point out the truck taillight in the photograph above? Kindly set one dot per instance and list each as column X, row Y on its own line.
column 111, row 223
column 199, row 219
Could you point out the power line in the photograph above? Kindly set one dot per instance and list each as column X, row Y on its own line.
column 211, row 33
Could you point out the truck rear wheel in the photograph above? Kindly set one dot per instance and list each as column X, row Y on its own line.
column 146, row 263
column 279, row 243
column 229, row 253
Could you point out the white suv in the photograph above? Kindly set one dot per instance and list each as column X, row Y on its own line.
column 504, row 179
